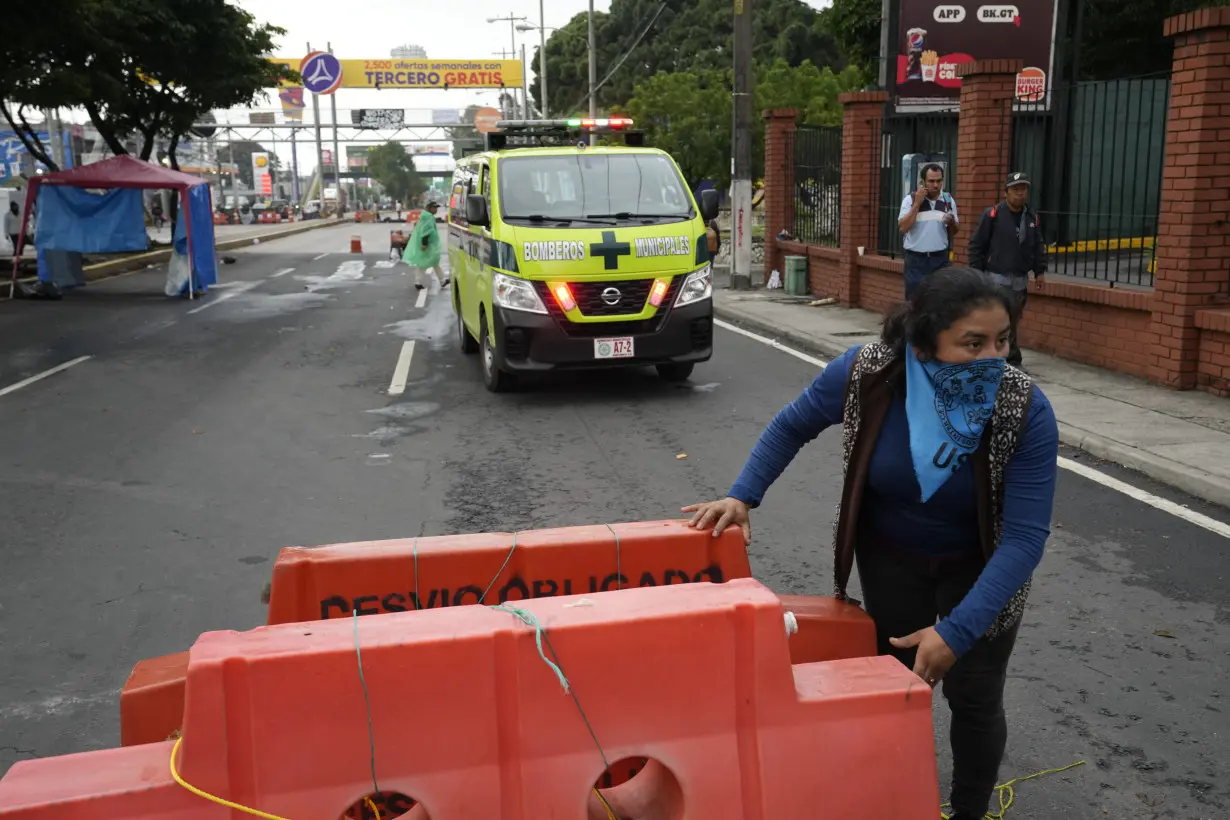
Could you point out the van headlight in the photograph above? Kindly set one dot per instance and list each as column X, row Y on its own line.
column 515, row 294
column 697, row 287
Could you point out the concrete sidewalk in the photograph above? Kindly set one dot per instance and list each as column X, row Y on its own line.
column 1178, row 438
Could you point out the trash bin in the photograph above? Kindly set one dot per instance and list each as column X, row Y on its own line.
column 796, row 276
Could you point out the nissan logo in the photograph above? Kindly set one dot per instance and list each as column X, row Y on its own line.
column 611, row 296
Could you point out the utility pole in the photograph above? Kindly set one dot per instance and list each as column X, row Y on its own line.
column 593, row 72
column 337, row 157
column 320, row 154
column 741, row 164
column 508, row 99
column 525, row 86
column 542, row 59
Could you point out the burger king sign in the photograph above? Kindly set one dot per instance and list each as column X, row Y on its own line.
column 1031, row 85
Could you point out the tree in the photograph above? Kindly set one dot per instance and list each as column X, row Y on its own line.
column 144, row 67
column 855, row 26
column 688, row 36
column 393, row 168
column 687, row 114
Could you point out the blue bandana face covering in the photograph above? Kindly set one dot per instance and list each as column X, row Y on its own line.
column 947, row 406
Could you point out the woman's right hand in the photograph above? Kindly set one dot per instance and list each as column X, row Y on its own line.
column 721, row 514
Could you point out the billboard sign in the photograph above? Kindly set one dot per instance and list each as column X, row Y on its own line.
column 935, row 37
column 292, row 102
column 323, row 73
column 378, row 117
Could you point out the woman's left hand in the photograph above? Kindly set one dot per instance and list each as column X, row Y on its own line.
column 934, row 657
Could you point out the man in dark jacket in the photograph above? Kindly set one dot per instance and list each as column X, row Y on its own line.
column 1008, row 245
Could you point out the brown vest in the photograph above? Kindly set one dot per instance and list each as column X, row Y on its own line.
column 869, row 394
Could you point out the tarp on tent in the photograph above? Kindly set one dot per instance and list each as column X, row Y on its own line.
column 92, row 223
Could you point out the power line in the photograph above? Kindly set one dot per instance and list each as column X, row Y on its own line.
column 625, row 56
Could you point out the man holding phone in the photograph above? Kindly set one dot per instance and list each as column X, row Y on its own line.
column 928, row 219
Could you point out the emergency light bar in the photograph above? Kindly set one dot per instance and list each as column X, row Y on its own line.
column 575, row 123
column 541, row 133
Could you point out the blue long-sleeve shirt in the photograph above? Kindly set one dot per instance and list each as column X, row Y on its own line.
column 948, row 523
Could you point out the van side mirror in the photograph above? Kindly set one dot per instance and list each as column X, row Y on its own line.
column 476, row 211
column 708, row 205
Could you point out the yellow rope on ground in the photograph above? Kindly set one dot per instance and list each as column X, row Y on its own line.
column 1007, row 795
column 212, row 798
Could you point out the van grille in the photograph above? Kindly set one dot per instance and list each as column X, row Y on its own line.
column 591, row 330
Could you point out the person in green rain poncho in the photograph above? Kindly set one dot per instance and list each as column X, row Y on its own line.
column 423, row 248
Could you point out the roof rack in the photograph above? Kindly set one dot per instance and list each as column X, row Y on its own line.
column 555, row 133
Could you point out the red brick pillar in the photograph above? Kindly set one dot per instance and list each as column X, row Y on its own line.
column 1193, row 235
column 780, row 127
column 984, row 142
column 862, row 123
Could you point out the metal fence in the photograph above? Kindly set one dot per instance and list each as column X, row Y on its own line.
column 817, row 184
column 1095, row 154
column 904, row 143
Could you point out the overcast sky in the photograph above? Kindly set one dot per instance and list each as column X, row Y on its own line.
column 369, row 29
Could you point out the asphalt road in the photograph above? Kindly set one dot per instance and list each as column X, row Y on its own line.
column 148, row 488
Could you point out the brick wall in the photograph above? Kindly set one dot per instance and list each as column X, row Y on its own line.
column 1193, row 245
column 883, row 282
column 1098, row 326
column 781, row 125
column 1177, row 334
column 983, row 140
column 1213, row 368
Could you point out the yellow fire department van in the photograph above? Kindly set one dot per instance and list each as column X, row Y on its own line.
column 567, row 256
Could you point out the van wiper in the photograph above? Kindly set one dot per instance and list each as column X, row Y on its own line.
column 541, row 218
column 630, row 215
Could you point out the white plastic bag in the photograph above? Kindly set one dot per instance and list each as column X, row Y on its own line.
column 775, row 281
column 178, row 270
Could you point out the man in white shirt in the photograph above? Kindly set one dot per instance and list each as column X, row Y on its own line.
column 12, row 224
column 928, row 218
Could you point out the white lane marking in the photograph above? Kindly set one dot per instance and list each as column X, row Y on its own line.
column 820, row 363
column 230, row 294
column 1109, row 482
column 282, row 272
column 401, row 373
column 318, row 258
column 1163, row 504
column 422, row 299
column 13, row 388
column 385, row 263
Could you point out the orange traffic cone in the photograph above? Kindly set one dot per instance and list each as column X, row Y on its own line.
column 356, row 245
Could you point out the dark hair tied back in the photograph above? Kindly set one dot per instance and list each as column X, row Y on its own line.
column 941, row 299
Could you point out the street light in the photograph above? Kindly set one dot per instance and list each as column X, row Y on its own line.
column 512, row 31
column 542, row 59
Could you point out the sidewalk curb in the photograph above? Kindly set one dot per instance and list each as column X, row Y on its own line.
column 1163, row 470
column 806, row 344
column 1160, row 469
column 101, row 271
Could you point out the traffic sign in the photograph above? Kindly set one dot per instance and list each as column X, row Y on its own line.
column 486, row 119
column 322, row 72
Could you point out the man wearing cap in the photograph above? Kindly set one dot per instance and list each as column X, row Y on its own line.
column 928, row 218
column 1008, row 245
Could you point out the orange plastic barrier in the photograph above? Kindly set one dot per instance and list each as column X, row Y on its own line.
column 152, row 701
column 468, row 720
column 356, row 244
column 378, row 576
column 317, row 583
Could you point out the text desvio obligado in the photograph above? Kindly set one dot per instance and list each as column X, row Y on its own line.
column 435, row 79
column 340, row 606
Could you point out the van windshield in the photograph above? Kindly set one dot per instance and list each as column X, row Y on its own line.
column 589, row 186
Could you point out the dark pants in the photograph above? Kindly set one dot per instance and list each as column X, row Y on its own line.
column 904, row 593
column 1019, row 298
column 920, row 265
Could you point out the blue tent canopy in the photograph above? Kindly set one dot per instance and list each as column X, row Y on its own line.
column 73, row 218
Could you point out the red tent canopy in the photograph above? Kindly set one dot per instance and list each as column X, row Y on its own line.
column 119, row 172
column 116, row 172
